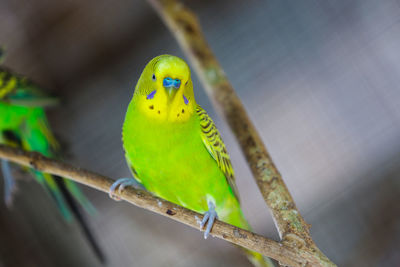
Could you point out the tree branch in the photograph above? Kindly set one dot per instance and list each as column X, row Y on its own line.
column 144, row 199
column 292, row 228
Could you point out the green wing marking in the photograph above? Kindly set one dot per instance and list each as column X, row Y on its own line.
column 216, row 147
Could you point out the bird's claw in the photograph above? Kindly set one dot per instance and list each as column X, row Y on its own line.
column 209, row 218
column 121, row 184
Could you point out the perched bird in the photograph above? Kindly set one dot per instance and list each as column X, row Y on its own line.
column 175, row 151
column 23, row 124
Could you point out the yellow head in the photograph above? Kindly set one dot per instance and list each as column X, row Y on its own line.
column 165, row 90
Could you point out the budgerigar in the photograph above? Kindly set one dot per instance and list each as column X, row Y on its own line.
column 175, row 151
column 23, row 124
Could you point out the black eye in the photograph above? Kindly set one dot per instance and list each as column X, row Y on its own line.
column 154, row 77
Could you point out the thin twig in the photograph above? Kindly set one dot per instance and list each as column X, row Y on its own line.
column 292, row 228
column 144, row 199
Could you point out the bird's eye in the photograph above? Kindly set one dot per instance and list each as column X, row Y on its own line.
column 154, row 77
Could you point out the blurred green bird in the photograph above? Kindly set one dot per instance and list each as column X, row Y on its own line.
column 23, row 124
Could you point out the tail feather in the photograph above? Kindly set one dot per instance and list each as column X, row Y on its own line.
column 76, row 192
column 80, row 218
column 66, row 193
column 48, row 182
column 237, row 218
column 68, row 207
column 257, row 259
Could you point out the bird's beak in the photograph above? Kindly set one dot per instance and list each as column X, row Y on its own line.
column 171, row 91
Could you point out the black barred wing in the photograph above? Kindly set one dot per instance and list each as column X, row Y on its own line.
column 214, row 144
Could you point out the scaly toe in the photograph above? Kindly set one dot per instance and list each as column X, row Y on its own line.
column 121, row 184
column 209, row 218
column 205, row 219
column 127, row 183
column 114, row 187
column 210, row 224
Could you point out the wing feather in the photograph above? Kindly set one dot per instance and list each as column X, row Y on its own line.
column 216, row 147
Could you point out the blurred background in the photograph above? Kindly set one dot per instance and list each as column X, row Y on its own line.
column 320, row 79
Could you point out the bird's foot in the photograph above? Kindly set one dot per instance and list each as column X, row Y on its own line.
column 209, row 218
column 10, row 187
column 121, row 184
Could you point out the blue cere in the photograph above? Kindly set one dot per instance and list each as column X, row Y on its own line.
column 177, row 83
column 169, row 82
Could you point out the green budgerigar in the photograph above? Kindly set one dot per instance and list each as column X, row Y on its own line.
column 175, row 151
column 23, row 124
